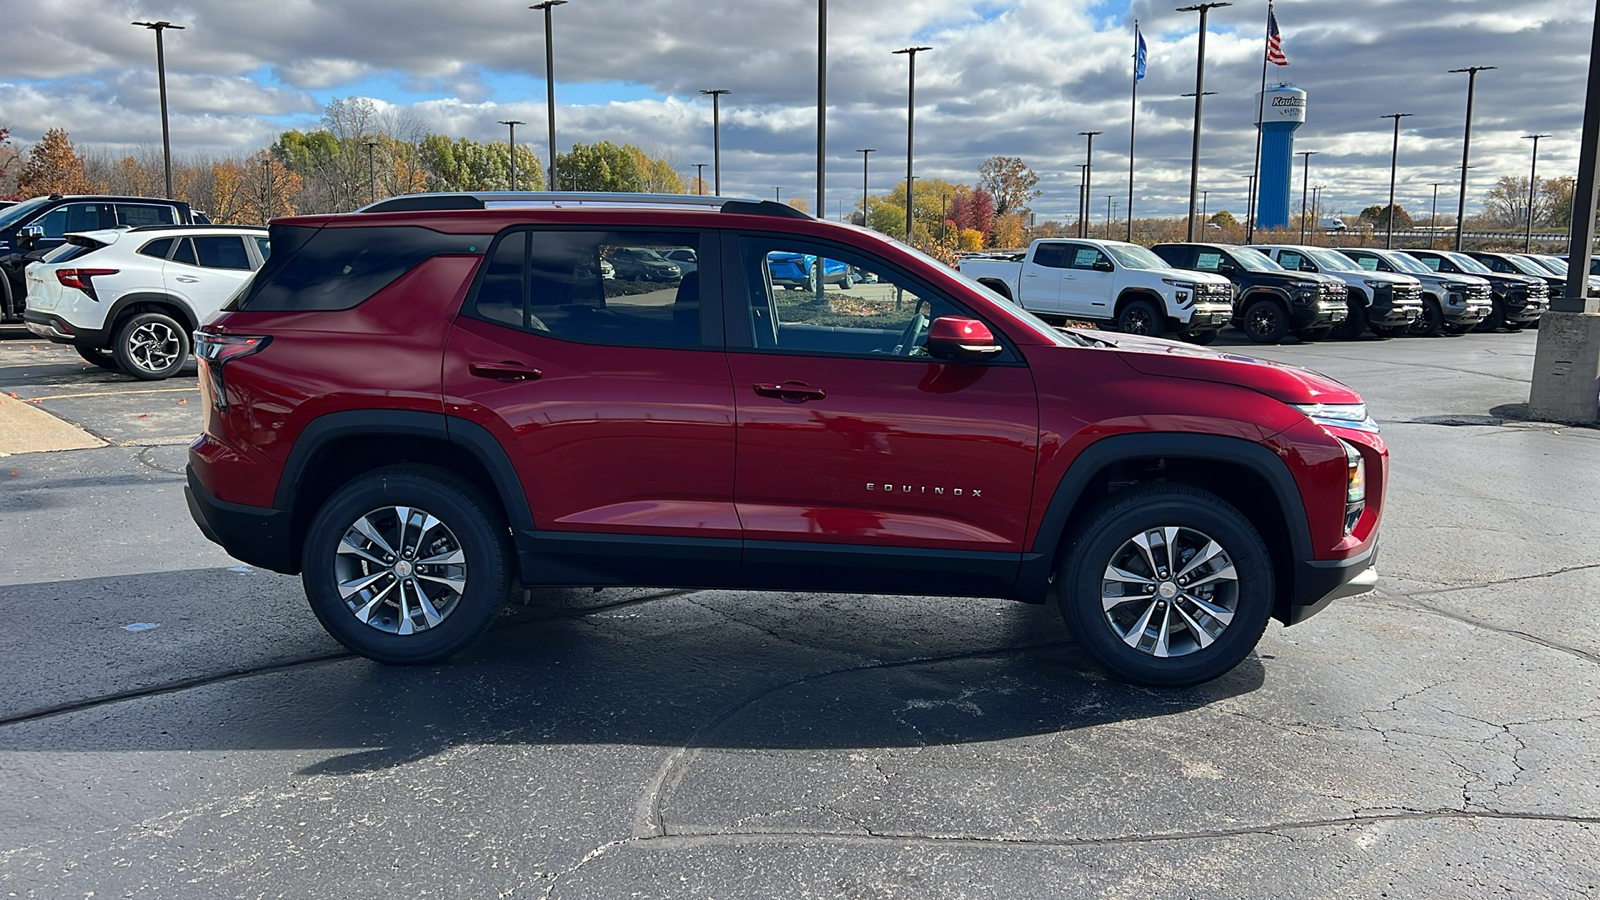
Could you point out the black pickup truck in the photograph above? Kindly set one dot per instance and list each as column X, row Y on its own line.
column 1270, row 302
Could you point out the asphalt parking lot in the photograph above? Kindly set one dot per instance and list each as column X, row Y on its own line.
column 177, row 725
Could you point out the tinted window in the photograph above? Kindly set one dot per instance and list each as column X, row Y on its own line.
column 884, row 318
column 137, row 214
column 593, row 287
column 185, row 253
column 221, row 252
column 1370, row 263
column 73, row 217
column 1051, row 255
column 1292, row 260
column 1431, row 262
column 157, row 248
column 337, row 268
column 1208, row 261
column 264, row 247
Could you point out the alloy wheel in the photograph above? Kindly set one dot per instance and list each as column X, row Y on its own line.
column 155, row 346
column 1169, row 591
column 400, row 570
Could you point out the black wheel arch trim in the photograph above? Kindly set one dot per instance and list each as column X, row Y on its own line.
column 186, row 316
column 469, row 436
column 1038, row 563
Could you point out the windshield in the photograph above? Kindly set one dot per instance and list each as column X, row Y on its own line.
column 1526, row 267
column 1136, row 257
column 1552, row 263
column 1407, row 264
column 1467, row 263
column 10, row 216
column 1251, row 261
column 1333, row 262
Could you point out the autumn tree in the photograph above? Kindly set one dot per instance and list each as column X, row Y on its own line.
column 1008, row 230
column 887, row 212
column 660, row 174
column 973, row 210
column 1223, row 219
column 799, row 202
column 53, row 167
column 468, row 165
column 1010, row 182
column 1378, row 217
column 8, row 157
column 599, row 167
column 1506, row 204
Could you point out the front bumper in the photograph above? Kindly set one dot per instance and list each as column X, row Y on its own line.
column 1468, row 307
column 1395, row 307
column 250, row 534
column 1208, row 314
column 1318, row 309
column 1319, row 582
column 1524, row 309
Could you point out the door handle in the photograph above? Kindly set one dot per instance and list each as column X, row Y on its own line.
column 509, row 371
column 790, row 391
column 187, row 280
column 1031, row 274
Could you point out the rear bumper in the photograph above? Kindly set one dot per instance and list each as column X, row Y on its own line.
column 54, row 328
column 1319, row 582
column 250, row 534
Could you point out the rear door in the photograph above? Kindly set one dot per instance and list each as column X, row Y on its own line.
column 613, row 400
column 859, row 456
column 1042, row 277
column 205, row 270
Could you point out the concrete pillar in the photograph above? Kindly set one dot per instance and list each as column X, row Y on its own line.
column 1566, row 368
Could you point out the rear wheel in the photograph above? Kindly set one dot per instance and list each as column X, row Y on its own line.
column 1166, row 585
column 151, row 346
column 1140, row 317
column 1265, row 321
column 407, row 564
column 95, row 356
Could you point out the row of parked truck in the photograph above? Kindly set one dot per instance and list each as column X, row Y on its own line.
column 1272, row 291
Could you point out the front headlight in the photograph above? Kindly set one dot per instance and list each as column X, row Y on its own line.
column 1375, row 284
column 1186, row 285
column 1355, row 486
column 1339, row 415
column 1309, row 285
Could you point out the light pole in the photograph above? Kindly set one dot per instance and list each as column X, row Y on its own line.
column 1305, row 182
column 1088, row 171
column 1433, row 220
column 716, row 138
column 699, row 178
column 1533, row 182
column 372, row 173
column 1466, row 144
column 1205, row 201
column 822, row 111
column 1199, row 100
column 161, row 80
column 1394, row 160
column 550, row 80
column 512, row 141
column 865, row 155
column 911, row 130
column 1250, row 207
column 1110, row 213
column 1083, row 201
column 777, row 194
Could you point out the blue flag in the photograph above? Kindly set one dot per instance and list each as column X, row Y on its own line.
column 1138, row 54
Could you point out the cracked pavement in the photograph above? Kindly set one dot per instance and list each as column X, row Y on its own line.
column 1437, row 737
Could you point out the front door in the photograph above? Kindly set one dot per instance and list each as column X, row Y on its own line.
column 858, row 454
column 611, row 395
column 1088, row 289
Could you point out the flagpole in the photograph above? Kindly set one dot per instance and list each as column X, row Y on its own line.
column 1133, row 123
column 1261, row 112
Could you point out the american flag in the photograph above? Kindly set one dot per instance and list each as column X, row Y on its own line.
column 1274, row 40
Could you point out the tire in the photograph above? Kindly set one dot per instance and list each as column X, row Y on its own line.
column 151, row 346
column 1314, row 334
column 1140, row 317
column 467, row 528
column 1354, row 325
column 1199, row 337
column 95, row 356
column 1385, row 332
column 847, row 282
column 1431, row 322
column 1458, row 330
column 1496, row 319
column 1265, row 321
column 1198, row 519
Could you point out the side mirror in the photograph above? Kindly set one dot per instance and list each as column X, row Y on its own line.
column 29, row 237
column 1104, row 265
column 954, row 339
column 1228, row 268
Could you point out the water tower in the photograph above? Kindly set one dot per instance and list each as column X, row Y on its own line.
column 1283, row 111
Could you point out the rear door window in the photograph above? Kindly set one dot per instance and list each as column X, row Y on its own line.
column 338, row 268
column 1053, row 256
column 157, row 248
column 184, row 253
column 139, row 214
column 222, row 252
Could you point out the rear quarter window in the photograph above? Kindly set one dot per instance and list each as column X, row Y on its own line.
column 338, row 268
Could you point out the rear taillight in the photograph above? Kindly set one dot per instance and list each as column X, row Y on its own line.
column 81, row 279
column 218, row 350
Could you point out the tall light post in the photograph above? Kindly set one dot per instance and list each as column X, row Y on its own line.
column 511, row 141
column 1533, row 185
column 1088, row 169
column 865, row 154
column 1250, row 207
column 550, row 80
column 777, row 194
column 1433, row 220
column 161, row 81
column 1205, row 201
column 1110, row 213
column 716, row 138
column 372, row 173
column 700, row 178
column 1083, row 201
column 1466, row 144
column 1199, row 100
column 1305, row 182
column 911, row 130
column 1394, row 161
column 822, row 110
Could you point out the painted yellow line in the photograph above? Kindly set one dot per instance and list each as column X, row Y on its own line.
column 154, row 441
column 194, row 389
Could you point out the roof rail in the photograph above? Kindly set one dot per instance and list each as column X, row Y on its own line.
column 562, row 199
column 181, row 227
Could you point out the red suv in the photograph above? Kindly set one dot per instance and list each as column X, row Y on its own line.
column 421, row 404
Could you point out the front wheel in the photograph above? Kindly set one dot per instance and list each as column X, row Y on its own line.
column 1354, row 325
column 151, row 346
column 1431, row 322
column 1266, row 322
column 407, row 564
column 1166, row 585
column 1139, row 317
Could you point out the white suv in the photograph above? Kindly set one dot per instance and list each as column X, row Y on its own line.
column 130, row 298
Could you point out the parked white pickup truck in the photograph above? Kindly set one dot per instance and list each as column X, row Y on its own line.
column 1109, row 281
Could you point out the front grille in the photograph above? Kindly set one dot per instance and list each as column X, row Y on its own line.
column 1334, row 293
column 1478, row 294
column 1213, row 292
column 1405, row 294
column 1539, row 292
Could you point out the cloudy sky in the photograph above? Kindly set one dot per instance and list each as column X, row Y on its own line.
column 1004, row 77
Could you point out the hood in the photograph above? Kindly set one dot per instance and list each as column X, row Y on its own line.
column 1288, row 277
column 1172, row 359
column 1388, row 277
column 1190, row 275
